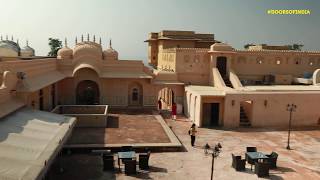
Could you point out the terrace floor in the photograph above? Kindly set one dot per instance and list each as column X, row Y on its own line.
column 124, row 127
column 302, row 162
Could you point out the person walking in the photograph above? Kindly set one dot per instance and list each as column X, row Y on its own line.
column 160, row 104
column 192, row 133
column 174, row 111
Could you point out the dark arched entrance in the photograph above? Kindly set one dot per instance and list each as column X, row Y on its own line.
column 87, row 92
column 222, row 65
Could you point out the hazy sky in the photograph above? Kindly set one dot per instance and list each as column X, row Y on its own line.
column 128, row 22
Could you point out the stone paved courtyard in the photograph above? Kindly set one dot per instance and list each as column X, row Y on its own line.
column 303, row 162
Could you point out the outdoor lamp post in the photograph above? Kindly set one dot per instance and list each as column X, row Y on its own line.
column 291, row 108
column 215, row 153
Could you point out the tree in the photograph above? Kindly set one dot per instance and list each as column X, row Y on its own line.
column 55, row 45
column 296, row 47
column 248, row 45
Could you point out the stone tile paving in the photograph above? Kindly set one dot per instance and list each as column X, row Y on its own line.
column 300, row 163
column 124, row 127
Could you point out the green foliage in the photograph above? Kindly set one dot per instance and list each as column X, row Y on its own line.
column 296, row 47
column 55, row 45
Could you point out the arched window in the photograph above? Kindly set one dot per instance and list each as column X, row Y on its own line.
column 135, row 94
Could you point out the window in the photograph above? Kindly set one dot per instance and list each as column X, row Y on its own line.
column 297, row 60
column 186, row 58
column 41, row 100
column 135, row 94
column 311, row 61
column 278, row 60
column 40, row 92
column 259, row 60
column 197, row 59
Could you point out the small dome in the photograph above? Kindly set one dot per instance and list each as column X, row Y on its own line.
column 9, row 48
column 110, row 53
column 220, row 47
column 27, row 51
column 87, row 48
column 65, row 53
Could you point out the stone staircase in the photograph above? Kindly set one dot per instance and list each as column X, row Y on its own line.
column 244, row 121
column 227, row 82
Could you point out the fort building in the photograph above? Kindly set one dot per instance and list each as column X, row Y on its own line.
column 212, row 83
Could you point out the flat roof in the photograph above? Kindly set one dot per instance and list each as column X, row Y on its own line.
column 282, row 88
column 206, row 90
column 168, row 82
column 119, row 74
column 29, row 142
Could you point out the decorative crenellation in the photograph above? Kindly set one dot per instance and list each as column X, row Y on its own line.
column 279, row 59
column 276, row 51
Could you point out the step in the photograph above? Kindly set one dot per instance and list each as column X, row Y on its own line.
column 245, row 124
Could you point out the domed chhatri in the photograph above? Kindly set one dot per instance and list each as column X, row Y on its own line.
column 110, row 53
column 65, row 52
column 27, row 51
column 87, row 48
column 9, row 48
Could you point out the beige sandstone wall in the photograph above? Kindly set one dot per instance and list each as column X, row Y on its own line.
column 193, row 66
column 274, row 113
column 295, row 64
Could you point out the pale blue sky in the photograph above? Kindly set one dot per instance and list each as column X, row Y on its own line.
column 128, row 22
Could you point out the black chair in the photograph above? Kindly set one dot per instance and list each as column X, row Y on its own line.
column 273, row 157
column 108, row 162
column 251, row 161
column 262, row 169
column 130, row 167
column 237, row 163
column 251, row 149
column 144, row 160
column 126, row 148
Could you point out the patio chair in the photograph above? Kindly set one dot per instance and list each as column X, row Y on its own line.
column 130, row 167
column 144, row 160
column 250, row 161
column 108, row 162
column 238, row 163
column 126, row 148
column 251, row 149
column 262, row 169
column 273, row 157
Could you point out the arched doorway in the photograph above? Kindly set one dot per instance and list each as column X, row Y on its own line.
column 135, row 94
column 88, row 92
column 167, row 97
